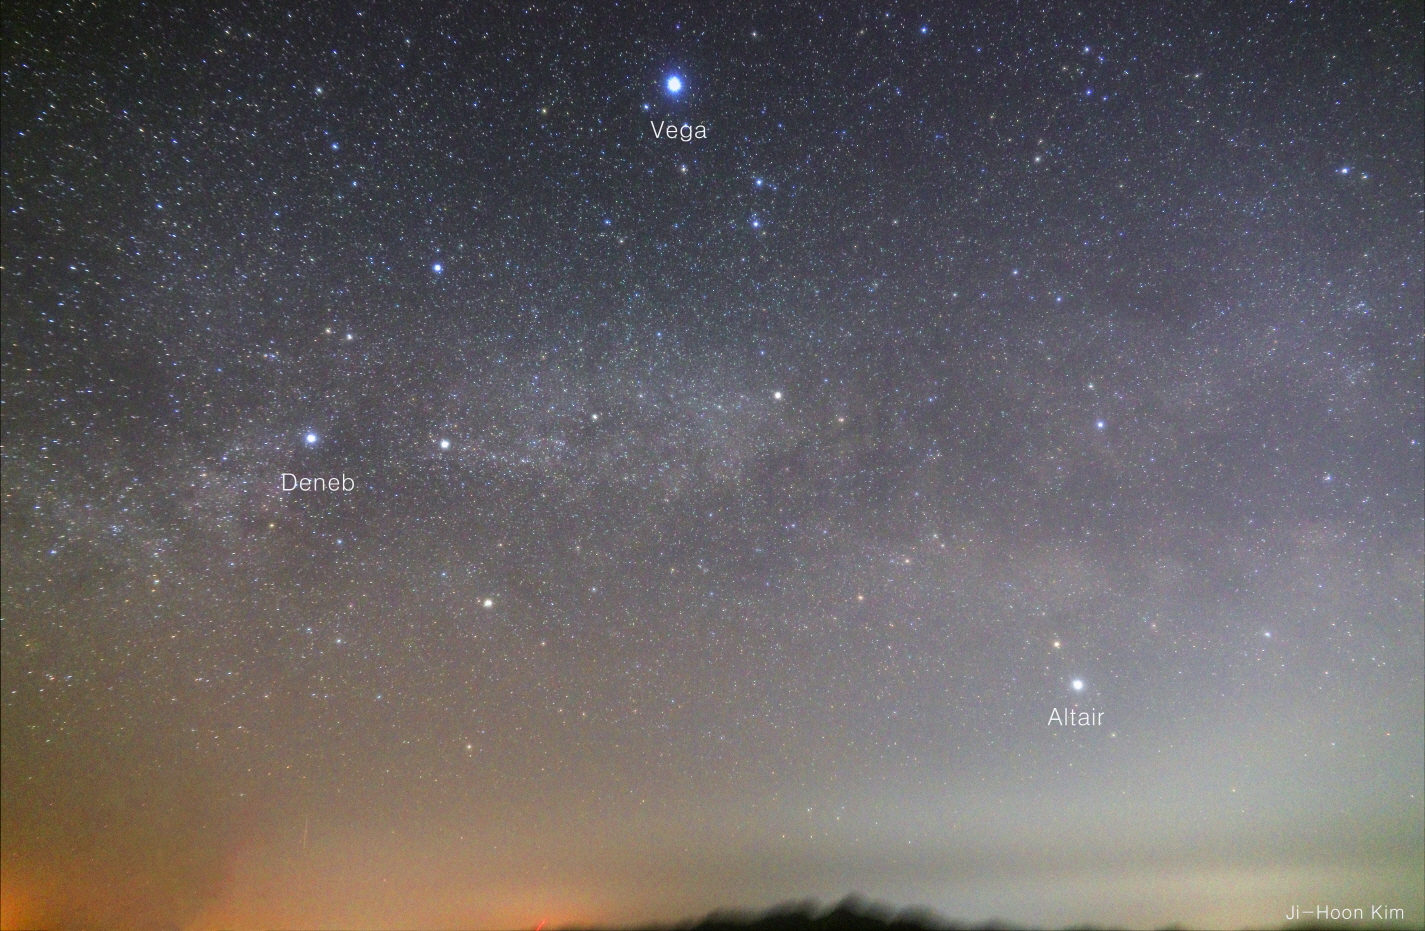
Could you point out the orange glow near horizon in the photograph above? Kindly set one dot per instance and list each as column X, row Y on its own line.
column 15, row 906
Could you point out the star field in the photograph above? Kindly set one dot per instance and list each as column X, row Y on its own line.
column 715, row 521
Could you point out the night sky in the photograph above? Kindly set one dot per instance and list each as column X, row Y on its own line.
column 725, row 518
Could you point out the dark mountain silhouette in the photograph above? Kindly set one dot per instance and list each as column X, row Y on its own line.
column 850, row 914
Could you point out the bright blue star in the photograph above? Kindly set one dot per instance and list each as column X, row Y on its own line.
column 675, row 84
column 437, row 268
column 311, row 439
